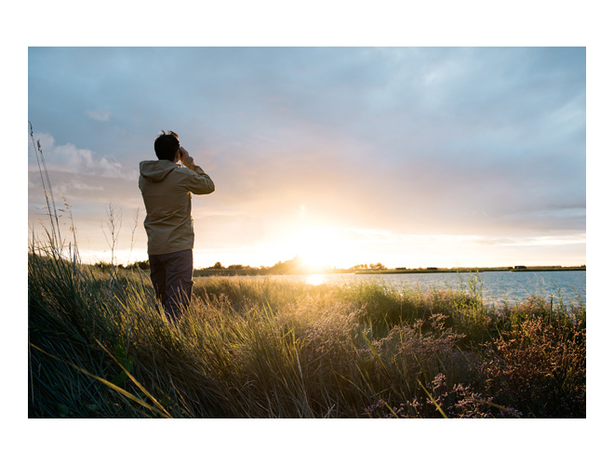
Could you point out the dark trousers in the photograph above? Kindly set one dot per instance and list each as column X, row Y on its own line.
column 171, row 275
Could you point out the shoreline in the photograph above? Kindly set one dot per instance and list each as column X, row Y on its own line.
column 255, row 272
column 476, row 269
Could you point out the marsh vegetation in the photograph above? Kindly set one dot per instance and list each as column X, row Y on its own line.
column 99, row 347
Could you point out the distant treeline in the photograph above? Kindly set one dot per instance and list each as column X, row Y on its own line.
column 476, row 269
column 298, row 266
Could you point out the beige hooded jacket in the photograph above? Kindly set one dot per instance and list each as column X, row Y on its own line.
column 166, row 188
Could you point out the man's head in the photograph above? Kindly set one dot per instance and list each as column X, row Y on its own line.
column 166, row 146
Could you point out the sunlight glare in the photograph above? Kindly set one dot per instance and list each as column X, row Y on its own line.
column 322, row 247
column 315, row 279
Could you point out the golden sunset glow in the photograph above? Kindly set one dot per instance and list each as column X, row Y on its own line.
column 315, row 279
column 408, row 156
column 320, row 247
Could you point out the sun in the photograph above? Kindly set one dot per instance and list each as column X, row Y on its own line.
column 321, row 247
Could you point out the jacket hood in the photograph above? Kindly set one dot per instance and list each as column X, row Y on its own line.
column 156, row 170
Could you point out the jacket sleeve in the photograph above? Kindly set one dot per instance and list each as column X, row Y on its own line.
column 198, row 182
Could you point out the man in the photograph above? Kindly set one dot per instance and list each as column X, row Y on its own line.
column 166, row 188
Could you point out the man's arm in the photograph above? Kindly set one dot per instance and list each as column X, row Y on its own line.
column 201, row 183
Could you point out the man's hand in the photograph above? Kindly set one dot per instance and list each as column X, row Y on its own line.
column 186, row 159
column 183, row 155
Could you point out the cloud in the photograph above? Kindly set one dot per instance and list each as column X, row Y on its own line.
column 424, row 141
column 98, row 115
column 70, row 158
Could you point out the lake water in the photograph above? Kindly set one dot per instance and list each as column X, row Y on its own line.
column 498, row 287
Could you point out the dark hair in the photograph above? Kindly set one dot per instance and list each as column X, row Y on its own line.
column 166, row 145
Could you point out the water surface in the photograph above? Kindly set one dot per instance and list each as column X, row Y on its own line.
column 497, row 287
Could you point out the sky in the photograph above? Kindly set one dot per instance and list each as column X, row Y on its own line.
column 407, row 156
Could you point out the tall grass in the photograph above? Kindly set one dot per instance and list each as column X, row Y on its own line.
column 100, row 347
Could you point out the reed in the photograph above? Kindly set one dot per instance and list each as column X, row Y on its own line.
column 100, row 347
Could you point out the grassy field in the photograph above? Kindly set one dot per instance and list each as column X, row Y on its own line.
column 99, row 347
